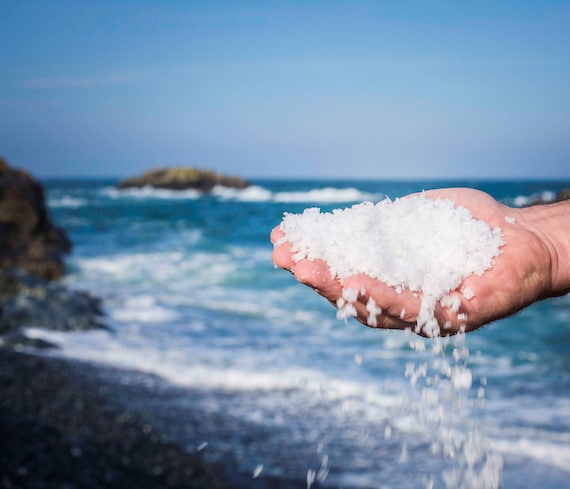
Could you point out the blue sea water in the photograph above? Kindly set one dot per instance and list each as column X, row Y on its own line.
column 192, row 297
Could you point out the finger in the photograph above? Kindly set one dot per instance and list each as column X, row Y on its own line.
column 283, row 256
column 377, row 321
column 316, row 274
column 397, row 303
column 276, row 234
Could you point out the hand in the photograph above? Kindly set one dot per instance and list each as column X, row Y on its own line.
column 523, row 273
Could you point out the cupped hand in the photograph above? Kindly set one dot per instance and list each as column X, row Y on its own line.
column 521, row 274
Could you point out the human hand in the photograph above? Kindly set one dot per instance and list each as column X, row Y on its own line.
column 523, row 273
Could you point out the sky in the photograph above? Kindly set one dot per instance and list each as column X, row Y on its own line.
column 288, row 89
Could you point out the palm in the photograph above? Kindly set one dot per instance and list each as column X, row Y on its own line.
column 517, row 278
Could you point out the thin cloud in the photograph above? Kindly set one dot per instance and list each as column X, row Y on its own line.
column 75, row 82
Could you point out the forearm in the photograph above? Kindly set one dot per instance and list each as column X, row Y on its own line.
column 551, row 223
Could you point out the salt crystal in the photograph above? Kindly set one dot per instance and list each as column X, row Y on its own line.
column 311, row 475
column 450, row 301
column 509, row 219
column 257, row 471
column 468, row 293
column 426, row 246
column 350, row 295
column 462, row 378
column 346, row 311
column 373, row 312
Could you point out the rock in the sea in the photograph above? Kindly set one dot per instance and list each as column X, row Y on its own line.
column 563, row 195
column 29, row 301
column 28, row 238
column 547, row 198
column 32, row 249
column 184, row 178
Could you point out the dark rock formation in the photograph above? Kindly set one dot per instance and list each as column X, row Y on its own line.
column 539, row 199
column 563, row 195
column 183, row 179
column 32, row 249
column 29, row 301
column 28, row 238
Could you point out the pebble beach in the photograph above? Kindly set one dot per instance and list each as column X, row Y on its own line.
column 61, row 426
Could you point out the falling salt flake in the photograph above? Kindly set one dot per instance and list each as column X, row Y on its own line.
column 403, row 313
column 426, row 246
column 510, row 220
column 323, row 471
column 311, row 474
column 357, row 359
column 404, row 457
column 257, row 471
column 350, row 295
column 346, row 311
column 452, row 302
column 201, row 446
column 418, row 345
column 462, row 378
column 373, row 312
column 388, row 432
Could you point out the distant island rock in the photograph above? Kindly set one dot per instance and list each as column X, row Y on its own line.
column 183, row 178
column 32, row 251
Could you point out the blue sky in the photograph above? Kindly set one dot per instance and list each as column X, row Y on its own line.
column 339, row 89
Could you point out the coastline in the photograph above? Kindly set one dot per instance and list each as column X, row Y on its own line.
column 60, row 427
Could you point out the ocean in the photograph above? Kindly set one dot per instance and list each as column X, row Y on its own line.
column 196, row 310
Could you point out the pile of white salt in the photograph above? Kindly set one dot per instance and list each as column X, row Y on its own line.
column 425, row 245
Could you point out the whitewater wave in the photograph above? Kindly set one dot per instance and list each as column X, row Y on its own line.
column 319, row 195
column 526, row 200
column 253, row 193
column 66, row 201
column 149, row 192
column 309, row 387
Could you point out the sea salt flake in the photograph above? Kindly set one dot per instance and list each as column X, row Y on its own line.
column 346, row 311
column 373, row 312
column 462, row 378
column 468, row 293
column 452, row 302
column 350, row 295
column 426, row 246
column 311, row 475
column 257, row 471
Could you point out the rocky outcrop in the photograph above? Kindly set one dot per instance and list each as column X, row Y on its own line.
column 563, row 195
column 548, row 198
column 182, row 179
column 28, row 238
column 32, row 251
column 29, row 301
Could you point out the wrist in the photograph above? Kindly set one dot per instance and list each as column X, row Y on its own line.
column 551, row 223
